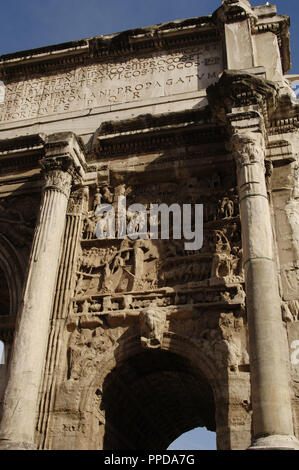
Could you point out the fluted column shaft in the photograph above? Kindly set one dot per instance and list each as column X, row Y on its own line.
column 17, row 427
column 271, row 403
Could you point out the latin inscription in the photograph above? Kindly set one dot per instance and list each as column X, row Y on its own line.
column 105, row 84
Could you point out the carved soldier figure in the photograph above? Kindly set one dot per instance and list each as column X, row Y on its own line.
column 107, row 195
column 226, row 208
column 97, row 199
column 89, row 226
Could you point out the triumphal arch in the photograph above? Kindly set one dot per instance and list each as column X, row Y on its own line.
column 121, row 343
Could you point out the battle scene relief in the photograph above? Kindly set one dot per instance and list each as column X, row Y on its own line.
column 117, row 274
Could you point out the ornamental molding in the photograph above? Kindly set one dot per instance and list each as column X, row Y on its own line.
column 58, row 174
column 150, row 133
column 161, row 37
column 245, row 91
column 248, row 148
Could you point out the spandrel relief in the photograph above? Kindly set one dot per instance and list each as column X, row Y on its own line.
column 85, row 349
column 219, row 337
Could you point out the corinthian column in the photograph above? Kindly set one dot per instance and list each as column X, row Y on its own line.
column 29, row 349
column 272, row 412
column 244, row 102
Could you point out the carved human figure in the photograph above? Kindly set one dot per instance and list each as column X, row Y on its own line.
column 97, row 199
column 107, row 285
column 152, row 322
column 107, row 195
column 234, row 354
column 80, row 285
column 286, row 313
column 84, row 349
column 89, row 226
column 226, row 209
column 77, row 349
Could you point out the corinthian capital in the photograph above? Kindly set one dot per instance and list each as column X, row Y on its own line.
column 63, row 165
column 247, row 147
column 58, row 173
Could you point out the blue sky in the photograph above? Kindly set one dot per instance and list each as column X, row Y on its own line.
column 197, row 439
column 28, row 24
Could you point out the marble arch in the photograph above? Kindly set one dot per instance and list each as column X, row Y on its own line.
column 194, row 111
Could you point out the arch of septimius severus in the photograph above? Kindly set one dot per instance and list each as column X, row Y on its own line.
column 126, row 344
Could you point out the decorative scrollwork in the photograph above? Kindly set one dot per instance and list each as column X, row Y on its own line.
column 58, row 173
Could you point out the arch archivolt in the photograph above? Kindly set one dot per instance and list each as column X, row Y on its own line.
column 216, row 340
column 94, row 354
column 131, row 347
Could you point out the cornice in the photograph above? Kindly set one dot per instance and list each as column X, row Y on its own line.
column 21, row 153
column 148, row 133
column 233, row 11
column 280, row 152
column 284, row 125
column 169, row 36
column 22, row 144
column 26, row 152
column 245, row 91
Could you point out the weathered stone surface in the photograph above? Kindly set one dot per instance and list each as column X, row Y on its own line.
column 124, row 343
column 121, row 81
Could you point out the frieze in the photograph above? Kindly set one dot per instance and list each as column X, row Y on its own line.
column 219, row 337
column 190, row 298
column 116, row 81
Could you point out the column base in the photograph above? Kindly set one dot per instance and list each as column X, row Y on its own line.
column 275, row 442
column 10, row 445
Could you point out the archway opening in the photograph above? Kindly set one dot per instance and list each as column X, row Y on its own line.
column 196, row 439
column 5, row 310
column 2, row 353
column 152, row 398
column 4, row 295
column 3, row 359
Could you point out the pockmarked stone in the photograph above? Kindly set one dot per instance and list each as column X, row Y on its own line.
column 149, row 213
